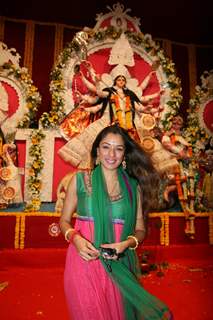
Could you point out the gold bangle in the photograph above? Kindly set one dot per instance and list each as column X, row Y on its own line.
column 136, row 242
column 66, row 234
column 73, row 234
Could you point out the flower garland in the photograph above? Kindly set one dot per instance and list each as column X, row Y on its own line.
column 198, row 137
column 57, row 85
column 34, row 182
column 162, row 230
column 22, row 231
column 127, row 122
column 17, row 230
column 166, row 230
column 194, row 133
column 185, row 183
column 210, row 229
column 20, row 227
column 30, row 92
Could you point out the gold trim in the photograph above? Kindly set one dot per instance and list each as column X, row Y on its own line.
column 152, row 215
column 2, row 21
column 192, row 68
column 29, row 46
column 59, row 37
column 167, row 46
column 79, row 28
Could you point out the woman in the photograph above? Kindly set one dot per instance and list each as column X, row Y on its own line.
column 108, row 202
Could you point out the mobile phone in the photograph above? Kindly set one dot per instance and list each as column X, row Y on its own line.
column 107, row 252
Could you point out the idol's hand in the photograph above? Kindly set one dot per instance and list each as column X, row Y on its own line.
column 87, row 64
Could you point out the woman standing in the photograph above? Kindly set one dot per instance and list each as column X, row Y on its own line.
column 112, row 201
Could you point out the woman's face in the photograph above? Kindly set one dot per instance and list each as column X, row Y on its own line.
column 120, row 82
column 111, row 151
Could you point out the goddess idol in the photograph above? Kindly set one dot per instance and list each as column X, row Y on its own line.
column 114, row 97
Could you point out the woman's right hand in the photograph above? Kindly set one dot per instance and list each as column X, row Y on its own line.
column 85, row 248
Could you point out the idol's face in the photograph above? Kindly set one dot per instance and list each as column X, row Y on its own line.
column 120, row 82
column 177, row 123
column 111, row 151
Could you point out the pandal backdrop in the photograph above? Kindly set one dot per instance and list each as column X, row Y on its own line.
column 181, row 149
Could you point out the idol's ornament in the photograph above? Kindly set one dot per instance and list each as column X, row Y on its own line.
column 199, row 133
column 194, row 180
column 19, row 101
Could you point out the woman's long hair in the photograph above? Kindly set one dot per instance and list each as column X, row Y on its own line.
column 138, row 166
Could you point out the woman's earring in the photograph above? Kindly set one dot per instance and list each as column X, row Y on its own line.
column 97, row 161
column 124, row 164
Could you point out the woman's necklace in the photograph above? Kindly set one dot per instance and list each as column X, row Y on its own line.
column 114, row 191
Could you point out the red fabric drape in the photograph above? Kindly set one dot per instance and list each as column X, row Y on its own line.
column 43, row 56
column 14, row 37
column 180, row 58
column 43, row 63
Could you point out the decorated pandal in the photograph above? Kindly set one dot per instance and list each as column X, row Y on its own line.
column 37, row 164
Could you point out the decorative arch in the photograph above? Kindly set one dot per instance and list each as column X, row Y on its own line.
column 95, row 45
column 199, row 131
column 21, row 98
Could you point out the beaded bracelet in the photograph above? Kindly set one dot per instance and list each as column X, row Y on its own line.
column 136, row 242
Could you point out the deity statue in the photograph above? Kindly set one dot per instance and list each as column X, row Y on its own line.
column 11, row 192
column 113, row 97
column 3, row 104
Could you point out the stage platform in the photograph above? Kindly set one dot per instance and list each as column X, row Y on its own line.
column 20, row 229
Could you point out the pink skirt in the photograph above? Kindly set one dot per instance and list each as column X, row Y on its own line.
column 90, row 292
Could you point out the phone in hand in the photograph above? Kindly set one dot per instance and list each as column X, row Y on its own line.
column 107, row 252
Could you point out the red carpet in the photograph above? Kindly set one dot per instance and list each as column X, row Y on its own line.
column 35, row 282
